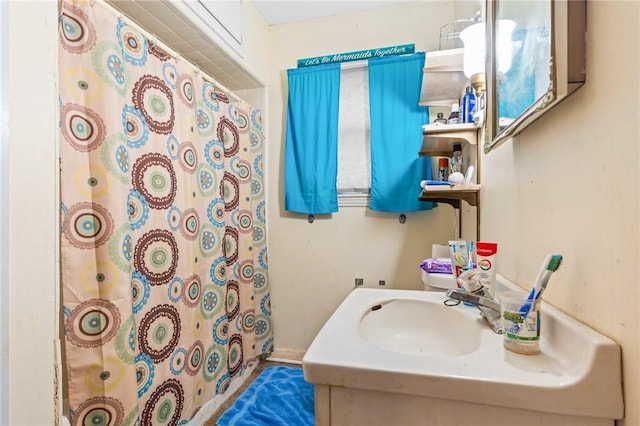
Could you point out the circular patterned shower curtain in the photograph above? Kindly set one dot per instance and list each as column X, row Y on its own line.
column 163, row 249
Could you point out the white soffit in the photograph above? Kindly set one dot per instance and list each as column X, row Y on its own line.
column 277, row 12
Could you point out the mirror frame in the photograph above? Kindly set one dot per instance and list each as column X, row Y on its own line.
column 567, row 67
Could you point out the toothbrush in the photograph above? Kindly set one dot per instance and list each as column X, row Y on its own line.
column 551, row 264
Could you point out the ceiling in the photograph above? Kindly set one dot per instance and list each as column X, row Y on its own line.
column 277, row 12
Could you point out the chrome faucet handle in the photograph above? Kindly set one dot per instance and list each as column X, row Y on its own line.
column 489, row 308
column 478, row 298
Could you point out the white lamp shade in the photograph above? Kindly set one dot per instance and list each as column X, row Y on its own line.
column 475, row 49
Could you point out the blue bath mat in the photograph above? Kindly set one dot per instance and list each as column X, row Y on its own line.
column 279, row 396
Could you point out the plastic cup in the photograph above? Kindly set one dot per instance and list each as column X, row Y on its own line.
column 521, row 334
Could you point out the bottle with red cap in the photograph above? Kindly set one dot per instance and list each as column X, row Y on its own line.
column 443, row 169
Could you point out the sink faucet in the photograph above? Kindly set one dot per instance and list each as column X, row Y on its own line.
column 489, row 308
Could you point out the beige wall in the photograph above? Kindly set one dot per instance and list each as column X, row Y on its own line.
column 312, row 266
column 256, row 43
column 569, row 184
column 32, row 219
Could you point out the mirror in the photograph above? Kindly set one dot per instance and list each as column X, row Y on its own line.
column 547, row 62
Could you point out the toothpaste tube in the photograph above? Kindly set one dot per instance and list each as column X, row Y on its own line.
column 459, row 258
column 486, row 256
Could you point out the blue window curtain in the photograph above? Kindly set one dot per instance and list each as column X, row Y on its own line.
column 396, row 133
column 311, row 153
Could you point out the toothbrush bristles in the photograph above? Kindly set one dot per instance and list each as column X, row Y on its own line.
column 554, row 263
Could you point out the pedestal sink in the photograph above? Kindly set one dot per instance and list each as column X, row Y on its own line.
column 401, row 357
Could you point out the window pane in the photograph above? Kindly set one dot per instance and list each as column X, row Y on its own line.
column 353, row 131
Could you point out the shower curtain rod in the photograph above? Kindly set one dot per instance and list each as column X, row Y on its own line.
column 171, row 52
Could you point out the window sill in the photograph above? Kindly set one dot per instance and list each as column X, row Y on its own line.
column 353, row 199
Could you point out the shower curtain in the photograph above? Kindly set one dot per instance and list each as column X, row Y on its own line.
column 163, row 233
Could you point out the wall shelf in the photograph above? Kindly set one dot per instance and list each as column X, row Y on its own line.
column 452, row 195
column 438, row 139
column 442, row 85
column 443, row 78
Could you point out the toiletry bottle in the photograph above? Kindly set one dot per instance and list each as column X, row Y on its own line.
column 454, row 117
column 440, row 119
column 478, row 115
column 468, row 105
column 456, row 159
column 443, row 169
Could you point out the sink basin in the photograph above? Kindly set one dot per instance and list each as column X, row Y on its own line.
column 403, row 325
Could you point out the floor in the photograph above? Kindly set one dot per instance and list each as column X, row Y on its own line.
column 229, row 402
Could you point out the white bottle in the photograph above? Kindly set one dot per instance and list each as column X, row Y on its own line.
column 456, row 159
column 454, row 117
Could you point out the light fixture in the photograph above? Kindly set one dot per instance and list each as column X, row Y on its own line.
column 474, row 41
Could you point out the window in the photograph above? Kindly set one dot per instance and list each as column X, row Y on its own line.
column 354, row 157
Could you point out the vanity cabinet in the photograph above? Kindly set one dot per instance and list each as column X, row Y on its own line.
column 443, row 82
